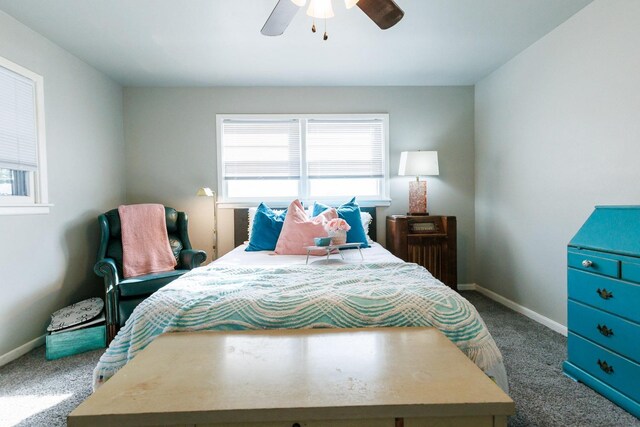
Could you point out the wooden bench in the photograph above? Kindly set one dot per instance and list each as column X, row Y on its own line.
column 387, row 377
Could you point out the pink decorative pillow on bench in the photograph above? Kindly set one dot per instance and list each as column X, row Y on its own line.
column 299, row 230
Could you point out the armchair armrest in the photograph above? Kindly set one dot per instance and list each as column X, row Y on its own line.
column 191, row 258
column 106, row 267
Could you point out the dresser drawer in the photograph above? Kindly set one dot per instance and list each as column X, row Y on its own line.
column 611, row 295
column 595, row 264
column 631, row 271
column 620, row 373
column 605, row 329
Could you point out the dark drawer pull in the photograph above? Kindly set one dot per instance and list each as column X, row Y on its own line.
column 604, row 293
column 604, row 330
column 608, row 369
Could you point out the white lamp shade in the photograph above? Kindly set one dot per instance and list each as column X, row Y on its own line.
column 350, row 3
column 205, row 191
column 320, row 9
column 418, row 163
column 299, row 3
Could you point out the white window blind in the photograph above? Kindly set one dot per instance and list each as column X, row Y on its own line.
column 345, row 149
column 326, row 157
column 260, row 149
column 18, row 125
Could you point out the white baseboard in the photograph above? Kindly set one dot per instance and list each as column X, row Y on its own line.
column 22, row 350
column 551, row 324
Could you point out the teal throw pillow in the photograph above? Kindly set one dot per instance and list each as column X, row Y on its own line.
column 350, row 212
column 266, row 229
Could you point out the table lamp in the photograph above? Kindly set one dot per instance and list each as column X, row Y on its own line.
column 418, row 163
column 207, row 192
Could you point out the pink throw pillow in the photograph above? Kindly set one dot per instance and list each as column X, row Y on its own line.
column 299, row 230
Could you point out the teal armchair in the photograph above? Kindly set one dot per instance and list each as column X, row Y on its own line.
column 123, row 295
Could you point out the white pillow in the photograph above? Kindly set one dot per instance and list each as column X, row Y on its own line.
column 366, row 219
column 252, row 213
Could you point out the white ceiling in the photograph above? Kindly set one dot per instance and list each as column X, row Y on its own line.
column 218, row 42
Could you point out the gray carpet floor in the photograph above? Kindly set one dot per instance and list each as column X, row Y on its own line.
column 533, row 356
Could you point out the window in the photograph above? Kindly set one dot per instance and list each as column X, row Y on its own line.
column 22, row 151
column 261, row 157
column 312, row 157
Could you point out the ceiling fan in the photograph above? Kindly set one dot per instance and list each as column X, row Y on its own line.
column 384, row 13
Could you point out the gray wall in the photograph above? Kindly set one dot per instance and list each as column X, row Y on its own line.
column 47, row 260
column 171, row 146
column 557, row 132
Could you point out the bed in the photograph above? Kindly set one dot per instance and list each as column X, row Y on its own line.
column 261, row 290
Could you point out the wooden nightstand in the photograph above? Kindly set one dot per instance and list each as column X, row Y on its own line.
column 426, row 240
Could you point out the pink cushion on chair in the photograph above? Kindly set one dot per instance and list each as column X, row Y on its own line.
column 145, row 242
column 299, row 230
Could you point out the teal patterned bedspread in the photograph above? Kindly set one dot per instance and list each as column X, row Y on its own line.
column 300, row 296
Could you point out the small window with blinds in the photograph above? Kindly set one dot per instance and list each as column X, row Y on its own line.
column 345, row 157
column 22, row 162
column 260, row 157
column 311, row 157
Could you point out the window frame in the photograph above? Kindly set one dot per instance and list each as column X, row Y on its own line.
column 241, row 202
column 38, row 201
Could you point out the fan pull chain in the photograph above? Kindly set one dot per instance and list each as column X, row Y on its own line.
column 325, row 36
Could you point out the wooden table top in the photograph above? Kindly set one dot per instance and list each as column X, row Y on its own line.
column 274, row 375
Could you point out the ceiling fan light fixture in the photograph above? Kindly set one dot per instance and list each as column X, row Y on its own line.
column 384, row 13
column 320, row 9
column 350, row 3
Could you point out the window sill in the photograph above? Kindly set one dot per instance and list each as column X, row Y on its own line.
column 37, row 209
column 281, row 205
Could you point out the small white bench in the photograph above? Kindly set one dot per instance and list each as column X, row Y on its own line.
column 387, row 377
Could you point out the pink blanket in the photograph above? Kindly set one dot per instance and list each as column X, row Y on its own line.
column 145, row 243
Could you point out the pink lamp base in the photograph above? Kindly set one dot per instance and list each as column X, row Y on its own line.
column 418, row 198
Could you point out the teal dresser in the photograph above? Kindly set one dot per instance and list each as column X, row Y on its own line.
column 604, row 305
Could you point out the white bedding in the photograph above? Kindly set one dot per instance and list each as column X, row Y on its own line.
column 251, row 290
column 239, row 257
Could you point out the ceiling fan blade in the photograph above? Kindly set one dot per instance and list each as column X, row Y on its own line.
column 280, row 18
column 385, row 13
